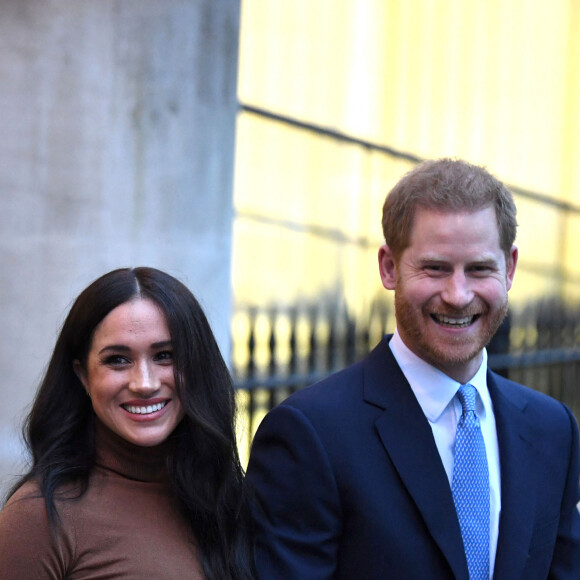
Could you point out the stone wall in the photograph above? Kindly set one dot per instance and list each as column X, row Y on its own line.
column 118, row 123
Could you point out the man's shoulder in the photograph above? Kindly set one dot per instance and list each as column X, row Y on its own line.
column 345, row 383
column 521, row 394
column 541, row 409
column 345, row 388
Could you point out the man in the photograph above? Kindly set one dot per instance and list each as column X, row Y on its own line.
column 419, row 463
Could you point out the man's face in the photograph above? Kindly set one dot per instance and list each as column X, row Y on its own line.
column 451, row 286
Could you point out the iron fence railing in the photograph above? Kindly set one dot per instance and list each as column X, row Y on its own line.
column 285, row 349
column 288, row 349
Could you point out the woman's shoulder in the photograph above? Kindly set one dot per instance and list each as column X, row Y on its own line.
column 25, row 511
column 27, row 497
column 25, row 514
column 26, row 546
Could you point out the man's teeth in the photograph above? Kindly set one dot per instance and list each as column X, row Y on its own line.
column 465, row 321
column 144, row 410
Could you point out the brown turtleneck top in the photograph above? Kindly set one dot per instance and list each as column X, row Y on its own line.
column 125, row 526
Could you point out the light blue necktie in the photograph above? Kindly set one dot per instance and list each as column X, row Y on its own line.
column 470, row 486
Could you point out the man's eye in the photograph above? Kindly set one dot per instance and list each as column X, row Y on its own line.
column 480, row 269
column 433, row 268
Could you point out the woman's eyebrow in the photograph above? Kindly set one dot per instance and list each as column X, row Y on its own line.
column 125, row 348
column 115, row 347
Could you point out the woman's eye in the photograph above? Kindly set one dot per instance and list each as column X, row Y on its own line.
column 164, row 356
column 115, row 360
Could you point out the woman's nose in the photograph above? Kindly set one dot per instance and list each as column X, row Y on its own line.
column 144, row 379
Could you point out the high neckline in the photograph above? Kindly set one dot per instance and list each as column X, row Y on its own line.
column 132, row 461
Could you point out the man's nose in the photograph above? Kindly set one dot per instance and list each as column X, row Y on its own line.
column 144, row 379
column 457, row 291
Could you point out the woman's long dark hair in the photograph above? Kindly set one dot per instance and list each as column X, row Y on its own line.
column 205, row 471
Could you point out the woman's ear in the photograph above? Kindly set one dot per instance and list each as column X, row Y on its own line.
column 80, row 373
column 387, row 267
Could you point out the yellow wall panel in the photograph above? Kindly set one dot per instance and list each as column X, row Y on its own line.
column 495, row 82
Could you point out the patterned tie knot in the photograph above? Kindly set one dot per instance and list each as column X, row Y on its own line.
column 466, row 394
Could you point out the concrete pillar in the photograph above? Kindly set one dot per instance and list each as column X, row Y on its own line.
column 117, row 120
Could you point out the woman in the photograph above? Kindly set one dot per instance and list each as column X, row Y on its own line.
column 135, row 471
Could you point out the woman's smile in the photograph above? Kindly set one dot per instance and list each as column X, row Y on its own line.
column 129, row 374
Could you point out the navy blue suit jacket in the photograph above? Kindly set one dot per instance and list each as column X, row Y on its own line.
column 349, row 484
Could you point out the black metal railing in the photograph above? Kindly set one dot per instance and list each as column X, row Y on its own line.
column 286, row 349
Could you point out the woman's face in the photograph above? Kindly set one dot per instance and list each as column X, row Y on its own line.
column 129, row 374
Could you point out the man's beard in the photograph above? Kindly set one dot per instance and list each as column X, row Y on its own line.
column 412, row 322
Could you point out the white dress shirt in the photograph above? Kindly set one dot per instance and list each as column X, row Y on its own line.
column 435, row 392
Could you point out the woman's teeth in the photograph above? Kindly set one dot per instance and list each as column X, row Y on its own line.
column 144, row 410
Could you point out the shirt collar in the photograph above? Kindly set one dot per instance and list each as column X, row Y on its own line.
column 433, row 389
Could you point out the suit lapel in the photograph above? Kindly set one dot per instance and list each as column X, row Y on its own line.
column 408, row 440
column 518, row 486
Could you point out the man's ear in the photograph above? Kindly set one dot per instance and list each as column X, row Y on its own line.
column 80, row 373
column 387, row 267
column 511, row 266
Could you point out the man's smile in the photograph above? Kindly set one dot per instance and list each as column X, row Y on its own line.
column 453, row 321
